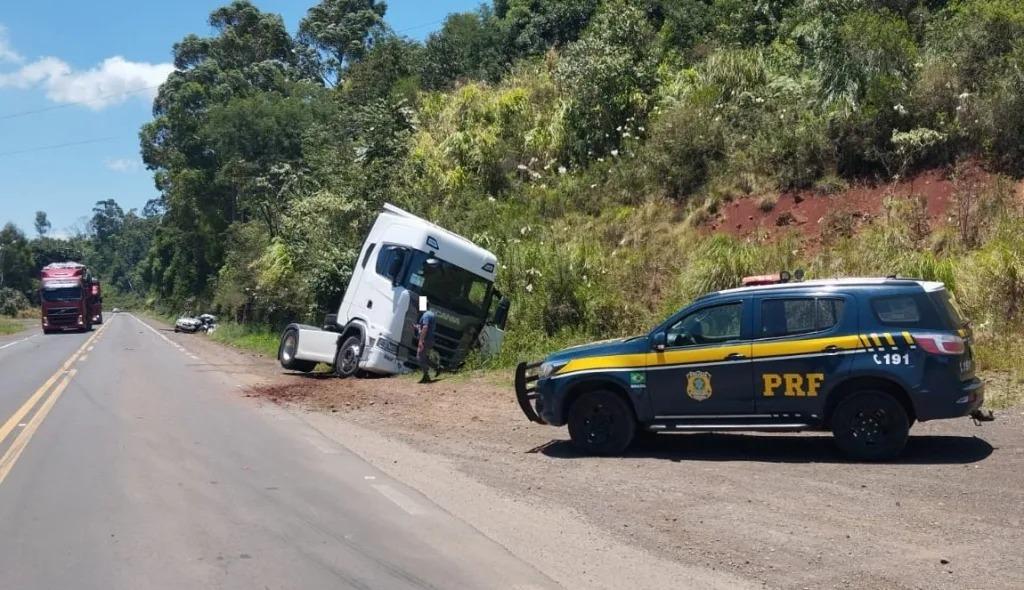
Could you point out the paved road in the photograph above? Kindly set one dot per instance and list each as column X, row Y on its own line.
column 126, row 463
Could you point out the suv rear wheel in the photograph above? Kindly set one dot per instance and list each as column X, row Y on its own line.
column 601, row 423
column 871, row 425
column 286, row 352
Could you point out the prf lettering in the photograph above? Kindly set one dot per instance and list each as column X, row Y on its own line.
column 792, row 384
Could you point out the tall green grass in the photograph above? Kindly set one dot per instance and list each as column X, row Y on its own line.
column 8, row 326
column 253, row 338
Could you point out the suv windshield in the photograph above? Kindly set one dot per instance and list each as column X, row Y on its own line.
column 62, row 294
column 449, row 286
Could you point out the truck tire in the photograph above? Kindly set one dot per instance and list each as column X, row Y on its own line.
column 346, row 360
column 870, row 425
column 286, row 352
column 601, row 423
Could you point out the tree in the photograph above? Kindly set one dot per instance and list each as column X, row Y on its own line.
column 532, row 26
column 42, row 224
column 16, row 271
column 470, row 45
column 608, row 78
column 251, row 54
column 343, row 29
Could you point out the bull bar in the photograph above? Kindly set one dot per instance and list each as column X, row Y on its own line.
column 526, row 390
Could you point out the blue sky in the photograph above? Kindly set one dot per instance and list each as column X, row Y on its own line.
column 73, row 60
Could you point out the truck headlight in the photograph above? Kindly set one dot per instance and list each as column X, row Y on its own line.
column 548, row 368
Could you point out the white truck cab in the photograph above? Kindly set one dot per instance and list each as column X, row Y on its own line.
column 403, row 258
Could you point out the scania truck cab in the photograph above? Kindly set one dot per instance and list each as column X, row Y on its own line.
column 70, row 298
column 404, row 258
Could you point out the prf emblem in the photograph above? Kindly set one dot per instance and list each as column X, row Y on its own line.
column 698, row 385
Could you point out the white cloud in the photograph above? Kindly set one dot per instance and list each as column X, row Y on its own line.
column 7, row 53
column 122, row 164
column 113, row 81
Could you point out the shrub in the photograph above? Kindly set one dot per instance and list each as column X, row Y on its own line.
column 607, row 79
column 12, row 301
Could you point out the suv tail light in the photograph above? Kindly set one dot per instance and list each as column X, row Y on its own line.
column 947, row 344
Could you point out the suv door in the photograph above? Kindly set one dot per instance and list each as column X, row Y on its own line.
column 801, row 347
column 705, row 367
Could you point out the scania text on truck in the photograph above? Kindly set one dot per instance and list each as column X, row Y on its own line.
column 402, row 259
column 70, row 297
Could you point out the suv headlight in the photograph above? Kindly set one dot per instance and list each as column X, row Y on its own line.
column 548, row 368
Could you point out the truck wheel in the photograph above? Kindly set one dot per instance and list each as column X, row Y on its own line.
column 346, row 360
column 286, row 353
column 600, row 423
column 870, row 425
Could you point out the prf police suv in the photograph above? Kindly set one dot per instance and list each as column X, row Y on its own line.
column 864, row 358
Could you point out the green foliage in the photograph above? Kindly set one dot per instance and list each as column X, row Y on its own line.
column 343, row 29
column 469, row 46
column 12, row 301
column 608, row 77
column 581, row 141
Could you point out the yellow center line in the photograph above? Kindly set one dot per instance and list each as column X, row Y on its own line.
column 17, row 446
column 21, row 441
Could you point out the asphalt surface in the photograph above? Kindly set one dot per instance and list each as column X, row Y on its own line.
column 128, row 462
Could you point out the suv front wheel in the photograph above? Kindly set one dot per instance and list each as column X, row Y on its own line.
column 600, row 423
column 871, row 425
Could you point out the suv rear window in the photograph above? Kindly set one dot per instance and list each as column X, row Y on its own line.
column 901, row 309
column 948, row 309
column 785, row 317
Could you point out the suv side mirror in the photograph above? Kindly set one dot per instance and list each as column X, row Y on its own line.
column 658, row 341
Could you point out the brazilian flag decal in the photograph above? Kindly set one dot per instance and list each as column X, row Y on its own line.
column 637, row 379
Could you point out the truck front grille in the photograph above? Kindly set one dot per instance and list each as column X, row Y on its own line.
column 62, row 316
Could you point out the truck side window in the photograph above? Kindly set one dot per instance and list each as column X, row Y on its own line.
column 369, row 251
column 390, row 260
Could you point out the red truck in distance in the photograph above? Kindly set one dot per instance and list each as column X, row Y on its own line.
column 71, row 298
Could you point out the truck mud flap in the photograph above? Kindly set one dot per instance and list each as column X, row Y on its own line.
column 526, row 390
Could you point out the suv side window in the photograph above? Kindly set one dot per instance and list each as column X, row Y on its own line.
column 798, row 315
column 901, row 309
column 711, row 325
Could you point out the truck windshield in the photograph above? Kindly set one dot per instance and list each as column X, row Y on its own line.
column 62, row 294
column 450, row 286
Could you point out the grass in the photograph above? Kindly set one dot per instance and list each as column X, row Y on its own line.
column 258, row 339
column 9, row 326
column 999, row 361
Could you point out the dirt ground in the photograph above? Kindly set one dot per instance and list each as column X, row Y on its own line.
column 783, row 511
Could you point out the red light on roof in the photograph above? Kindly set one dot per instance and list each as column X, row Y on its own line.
column 755, row 280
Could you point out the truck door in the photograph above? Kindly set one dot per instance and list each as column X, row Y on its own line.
column 705, row 367
column 800, row 350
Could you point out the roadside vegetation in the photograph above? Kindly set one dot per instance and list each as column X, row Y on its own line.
column 9, row 326
column 588, row 143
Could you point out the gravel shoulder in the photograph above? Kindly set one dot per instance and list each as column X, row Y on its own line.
column 714, row 510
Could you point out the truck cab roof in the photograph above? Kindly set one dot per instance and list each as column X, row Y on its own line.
column 398, row 226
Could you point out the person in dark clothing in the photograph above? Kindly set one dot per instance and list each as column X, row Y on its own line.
column 425, row 333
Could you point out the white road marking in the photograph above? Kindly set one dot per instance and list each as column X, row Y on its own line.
column 369, row 477
column 401, row 500
column 319, row 445
column 15, row 342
